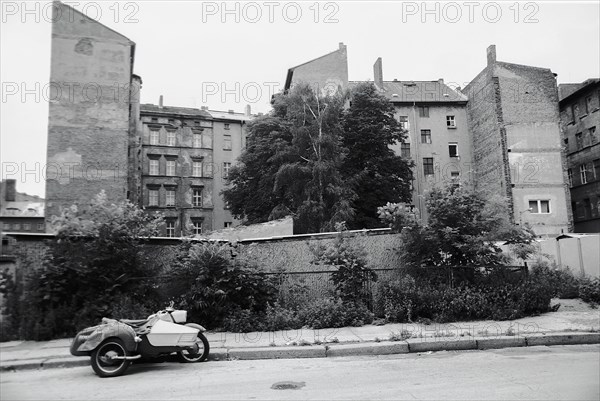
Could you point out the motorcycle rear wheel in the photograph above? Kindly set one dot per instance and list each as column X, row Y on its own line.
column 102, row 358
column 188, row 357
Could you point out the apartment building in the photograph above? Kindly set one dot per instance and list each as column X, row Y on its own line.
column 580, row 123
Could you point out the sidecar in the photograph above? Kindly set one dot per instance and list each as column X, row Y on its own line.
column 113, row 344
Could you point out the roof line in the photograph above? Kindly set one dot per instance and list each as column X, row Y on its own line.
column 584, row 85
column 98, row 22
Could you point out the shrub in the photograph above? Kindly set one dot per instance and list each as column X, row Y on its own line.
column 589, row 289
column 331, row 312
column 280, row 318
column 352, row 271
column 212, row 285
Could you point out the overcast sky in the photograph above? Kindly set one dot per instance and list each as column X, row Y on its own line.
column 196, row 53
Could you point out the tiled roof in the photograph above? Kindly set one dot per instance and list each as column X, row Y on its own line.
column 153, row 108
column 566, row 90
column 22, row 209
column 225, row 115
column 419, row 91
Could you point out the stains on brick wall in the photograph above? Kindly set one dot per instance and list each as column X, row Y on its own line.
column 89, row 111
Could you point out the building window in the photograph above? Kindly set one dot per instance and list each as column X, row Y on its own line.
column 539, row 206
column 171, row 167
column 579, row 140
column 27, row 226
column 197, row 226
column 154, row 137
column 405, row 150
column 570, row 175
column 153, row 197
column 597, row 169
column 584, row 173
column 423, row 111
column 453, row 149
column 227, row 224
column 170, row 228
column 425, row 136
column 575, row 111
column 450, row 122
column 40, row 226
column 170, row 138
column 154, row 119
column 197, row 169
column 154, row 169
column 197, row 123
column 454, row 174
column 197, row 197
column 197, row 143
column 226, row 168
column 428, row 165
column 170, row 201
column 7, row 226
column 227, row 142
column 17, row 226
column 226, row 125
column 593, row 136
column 171, row 121
column 587, row 207
column 403, row 122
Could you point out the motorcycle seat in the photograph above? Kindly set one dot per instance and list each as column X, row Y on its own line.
column 134, row 323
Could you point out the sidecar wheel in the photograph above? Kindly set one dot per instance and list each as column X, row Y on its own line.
column 188, row 357
column 102, row 358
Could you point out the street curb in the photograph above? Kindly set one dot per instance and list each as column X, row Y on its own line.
column 500, row 342
column 412, row 345
column 426, row 345
column 382, row 348
column 278, row 352
column 563, row 339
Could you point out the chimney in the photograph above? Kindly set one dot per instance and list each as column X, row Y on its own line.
column 342, row 46
column 248, row 110
column 441, row 81
column 203, row 107
column 160, row 102
column 491, row 55
column 11, row 190
column 378, row 73
column 230, row 111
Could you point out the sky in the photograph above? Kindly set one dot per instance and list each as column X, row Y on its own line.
column 225, row 55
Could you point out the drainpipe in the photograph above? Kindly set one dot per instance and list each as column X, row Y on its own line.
column 581, row 268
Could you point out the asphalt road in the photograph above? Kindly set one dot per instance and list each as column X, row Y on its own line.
column 560, row 372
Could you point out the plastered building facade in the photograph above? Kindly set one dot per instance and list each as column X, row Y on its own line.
column 580, row 121
column 170, row 160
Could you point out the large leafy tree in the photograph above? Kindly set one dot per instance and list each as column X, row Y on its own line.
column 462, row 230
column 375, row 173
column 292, row 164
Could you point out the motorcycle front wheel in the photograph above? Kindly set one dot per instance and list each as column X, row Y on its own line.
column 203, row 350
column 103, row 358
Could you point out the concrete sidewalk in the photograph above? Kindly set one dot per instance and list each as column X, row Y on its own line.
column 574, row 323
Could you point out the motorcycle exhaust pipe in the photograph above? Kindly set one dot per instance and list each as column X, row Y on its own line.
column 129, row 358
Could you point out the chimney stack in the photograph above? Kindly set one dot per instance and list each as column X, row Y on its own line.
column 491, row 55
column 248, row 111
column 160, row 102
column 11, row 190
column 378, row 73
